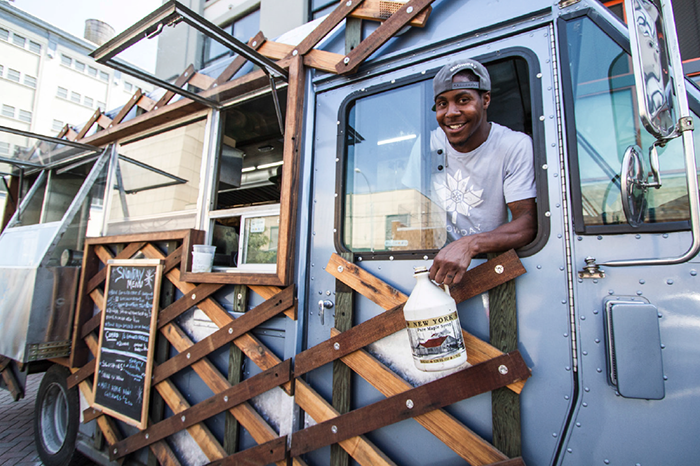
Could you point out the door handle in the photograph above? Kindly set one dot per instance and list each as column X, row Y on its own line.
column 322, row 306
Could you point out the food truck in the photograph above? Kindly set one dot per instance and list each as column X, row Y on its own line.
column 289, row 345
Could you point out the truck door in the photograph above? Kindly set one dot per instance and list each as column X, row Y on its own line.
column 369, row 201
column 636, row 326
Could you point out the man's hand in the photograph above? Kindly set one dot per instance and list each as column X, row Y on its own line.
column 452, row 261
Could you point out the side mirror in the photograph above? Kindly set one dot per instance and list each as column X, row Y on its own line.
column 633, row 186
column 653, row 71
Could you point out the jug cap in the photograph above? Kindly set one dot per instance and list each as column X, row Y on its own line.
column 420, row 269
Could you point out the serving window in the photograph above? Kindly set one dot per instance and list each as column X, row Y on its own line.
column 389, row 203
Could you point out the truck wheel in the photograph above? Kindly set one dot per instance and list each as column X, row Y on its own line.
column 56, row 419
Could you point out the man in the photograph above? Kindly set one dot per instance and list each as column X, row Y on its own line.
column 488, row 167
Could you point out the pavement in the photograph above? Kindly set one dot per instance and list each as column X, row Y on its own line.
column 16, row 426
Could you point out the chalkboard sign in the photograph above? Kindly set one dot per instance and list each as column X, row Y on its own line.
column 125, row 354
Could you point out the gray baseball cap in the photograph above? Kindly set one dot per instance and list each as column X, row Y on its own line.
column 443, row 80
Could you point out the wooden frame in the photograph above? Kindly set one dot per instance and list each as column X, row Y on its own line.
column 157, row 264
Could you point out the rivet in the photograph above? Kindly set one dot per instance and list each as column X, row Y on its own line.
column 409, row 404
column 545, row 166
column 597, row 340
column 554, row 434
column 340, row 268
column 349, row 3
column 583, row 317
column 578, row 424
column 669, row 281
column 425, row 258
column 182, row 418
column 336, row 346
column 693, row 273
column 539, row 75
column 188, row 355
column 240, row 296
column 539, row 266
column 584, row 404
column 569, row 450
column 599, row 370
column 230, row 330
column 226, row 399
column 547, row 214
column 334, row 429
column 502, row 369
column 499, row 269
column 409, row 10
column 642, row 282
column 391, row 258
column 146, row 436
column 115, row 451
column 346, row 60
column 194, row 296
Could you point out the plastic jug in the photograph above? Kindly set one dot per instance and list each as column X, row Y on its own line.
column 433, row 326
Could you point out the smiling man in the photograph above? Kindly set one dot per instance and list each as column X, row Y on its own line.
column 488, row 170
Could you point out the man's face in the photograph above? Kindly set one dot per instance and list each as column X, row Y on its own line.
column 461, row 113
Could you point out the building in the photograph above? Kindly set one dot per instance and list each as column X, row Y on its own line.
column 47, row 79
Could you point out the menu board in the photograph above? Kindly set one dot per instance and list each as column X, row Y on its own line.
column 125, row 354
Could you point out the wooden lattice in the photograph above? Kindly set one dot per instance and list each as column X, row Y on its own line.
column 346, row 430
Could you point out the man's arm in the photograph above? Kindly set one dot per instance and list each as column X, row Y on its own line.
column 452, row 261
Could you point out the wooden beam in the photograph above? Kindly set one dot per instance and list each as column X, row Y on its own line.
column 293, row 134
column 327, row 25
column 383, row 33
column 131, row 103
column 89, row 124
column 469, row 382
column 505, row 405
column 472, row 448
column 376, row 10
column 179, row 82
column 255, row 42
column 104, row 121
column 317, row 59
column 201, row 81
column 476, row 281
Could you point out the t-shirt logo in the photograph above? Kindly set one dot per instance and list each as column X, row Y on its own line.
column 458, row 196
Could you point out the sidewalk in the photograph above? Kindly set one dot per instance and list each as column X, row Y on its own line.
column 16, row 429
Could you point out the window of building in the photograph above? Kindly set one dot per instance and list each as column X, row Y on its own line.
column 8, row 111
column 18, row 40
column 13, row 75
column 101, row 105
column 57, row 125
column 604, row 123
column 25, row 115
column 242, row 29
column 128, row 86
column 88, row 101
column 75, row 97
column 80, row 66
column 34, row 47
column 4, row 34
column 65, row 60
column 318, row 8
column 4, row 148
column 30, row 81
column 104, row 76
column 92, row 71
column 2, row 69
column 62, row 92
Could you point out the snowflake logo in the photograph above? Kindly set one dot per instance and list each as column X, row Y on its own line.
column 458, row 196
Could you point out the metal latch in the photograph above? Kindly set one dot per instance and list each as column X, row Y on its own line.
column 591, row 269
column 322, row 306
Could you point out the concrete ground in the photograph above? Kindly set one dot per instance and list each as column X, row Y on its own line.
column 16, row 429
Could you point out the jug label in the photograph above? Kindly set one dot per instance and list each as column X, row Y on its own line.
column 436, row 339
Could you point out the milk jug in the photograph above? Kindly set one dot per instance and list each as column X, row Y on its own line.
column 433, row 326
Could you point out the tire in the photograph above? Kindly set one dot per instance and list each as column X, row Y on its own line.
column 57, row 419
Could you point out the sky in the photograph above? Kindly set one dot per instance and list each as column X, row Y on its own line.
column 70, row 15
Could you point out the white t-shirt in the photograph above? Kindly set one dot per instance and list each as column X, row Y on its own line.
column 474, row 187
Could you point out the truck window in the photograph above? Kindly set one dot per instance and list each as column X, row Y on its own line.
column 157, row 181
column 244, row 220
column 605, row 123
column 388, row 202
